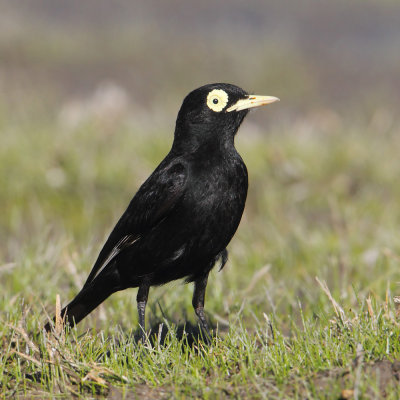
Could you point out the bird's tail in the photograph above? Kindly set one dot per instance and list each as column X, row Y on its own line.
column 85, row 302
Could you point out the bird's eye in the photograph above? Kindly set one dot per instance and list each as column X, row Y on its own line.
column 217, row 99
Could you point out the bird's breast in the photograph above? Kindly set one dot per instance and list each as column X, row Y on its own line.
column 215, row 200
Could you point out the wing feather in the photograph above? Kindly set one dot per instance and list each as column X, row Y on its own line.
column 155, row 199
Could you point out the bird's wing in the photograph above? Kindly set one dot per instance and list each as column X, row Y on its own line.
column 155, row 199
column 123, row 243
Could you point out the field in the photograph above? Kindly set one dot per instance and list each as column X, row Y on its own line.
column 305, row 307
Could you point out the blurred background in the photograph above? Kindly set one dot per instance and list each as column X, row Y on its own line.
column 89, row 93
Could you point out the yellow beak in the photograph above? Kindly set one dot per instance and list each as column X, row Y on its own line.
column 251, row 102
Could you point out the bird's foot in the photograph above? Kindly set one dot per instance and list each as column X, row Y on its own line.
column 205, row 331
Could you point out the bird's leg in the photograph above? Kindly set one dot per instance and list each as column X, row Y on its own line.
column 198, row 303
column 141, row 298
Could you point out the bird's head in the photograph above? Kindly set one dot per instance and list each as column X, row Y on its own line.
column 213, row 113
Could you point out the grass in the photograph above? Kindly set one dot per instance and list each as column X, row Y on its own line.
column 323, row 202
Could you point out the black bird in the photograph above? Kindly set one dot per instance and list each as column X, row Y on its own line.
column 184, row 215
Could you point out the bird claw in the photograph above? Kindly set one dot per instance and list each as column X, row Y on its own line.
column 204, row 330
column 206, row 335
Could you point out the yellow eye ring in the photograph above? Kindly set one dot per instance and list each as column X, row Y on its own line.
column 217, row 99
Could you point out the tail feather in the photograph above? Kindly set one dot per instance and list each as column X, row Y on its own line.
column 85, row 302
